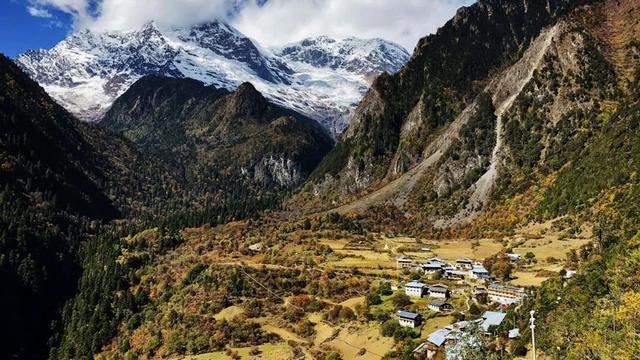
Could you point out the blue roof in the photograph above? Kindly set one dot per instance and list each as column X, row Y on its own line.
column 479, row 269
column 492, row 318
column 433, row 265
column 408, row 315
column 438, row 337
column 415, row 284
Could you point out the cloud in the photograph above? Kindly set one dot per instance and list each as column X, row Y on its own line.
column 272, row 22
column 402, row 21
column 78, row 9
column 130, row 14
column 39, row 12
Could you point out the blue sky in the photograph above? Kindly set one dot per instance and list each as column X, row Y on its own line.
column 20, row 31
column 35, row 24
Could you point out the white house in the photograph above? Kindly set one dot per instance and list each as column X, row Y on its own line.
column 505, row 294
column 464, row 264
column 431, row 267
column 455, row 274
column 478, row 272
column 409, row 319
column 439, row 305
column 439, row 291
column 415, row 289
column 404, row 263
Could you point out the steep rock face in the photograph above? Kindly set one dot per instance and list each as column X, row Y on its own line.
column 358, row 56
column 238, row 135
column 405, row 123
column 87, row 71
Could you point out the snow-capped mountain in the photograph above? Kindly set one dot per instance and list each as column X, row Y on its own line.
column 322, row 78
column 358, row 56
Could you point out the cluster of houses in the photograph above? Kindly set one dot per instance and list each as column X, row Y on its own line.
column 439, row 293
column 446, row 339
column 463, row 268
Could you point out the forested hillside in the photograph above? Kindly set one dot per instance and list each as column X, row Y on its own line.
column 234, row 149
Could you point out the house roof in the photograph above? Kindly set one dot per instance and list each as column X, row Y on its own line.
column 479, row 269
column 408, row 315
column 432, row 265
column 514, row 333
column 415, row 284
column 438, row 337
column 496, row 286
column 457, row 272
column 404, row 260
column 438, row 288
column 492, row 318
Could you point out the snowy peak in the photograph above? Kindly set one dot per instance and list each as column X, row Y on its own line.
column 359, row 56
column 225, row 41
column 322, row 78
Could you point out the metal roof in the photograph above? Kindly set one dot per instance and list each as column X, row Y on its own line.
column 492, row 318
column 415, row 284
column 408, row 315
column 438, row 337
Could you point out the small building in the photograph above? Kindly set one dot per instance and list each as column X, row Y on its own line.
column 455, row 274
column 409, row 319
column 478, row 272
column 440, row 305
column 513, row 257
column 464, row 264
column 415, row 289
column 439, row 291
column 404, row 263
column 514, row 333
column 505, row 294
column 431, row 268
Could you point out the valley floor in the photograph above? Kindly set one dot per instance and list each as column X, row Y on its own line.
column 364, row 260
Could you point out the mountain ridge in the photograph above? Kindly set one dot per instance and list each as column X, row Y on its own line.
column 87, row 71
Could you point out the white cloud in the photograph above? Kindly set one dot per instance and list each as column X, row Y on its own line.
column 274, row 23
column 402, row 21
column 39, row 12
column 128, row 14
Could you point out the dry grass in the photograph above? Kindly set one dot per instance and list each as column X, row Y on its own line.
column 433, row 324
column 267, row 352
column 229, row 313
column 550, row 246
column 355, row 337
column 455, row 249
column 283, row 333
column 351, row 303
column 526, row 278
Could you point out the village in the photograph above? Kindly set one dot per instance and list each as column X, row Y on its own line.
column 468, row 276
column 453, row 300
column 382, row 292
